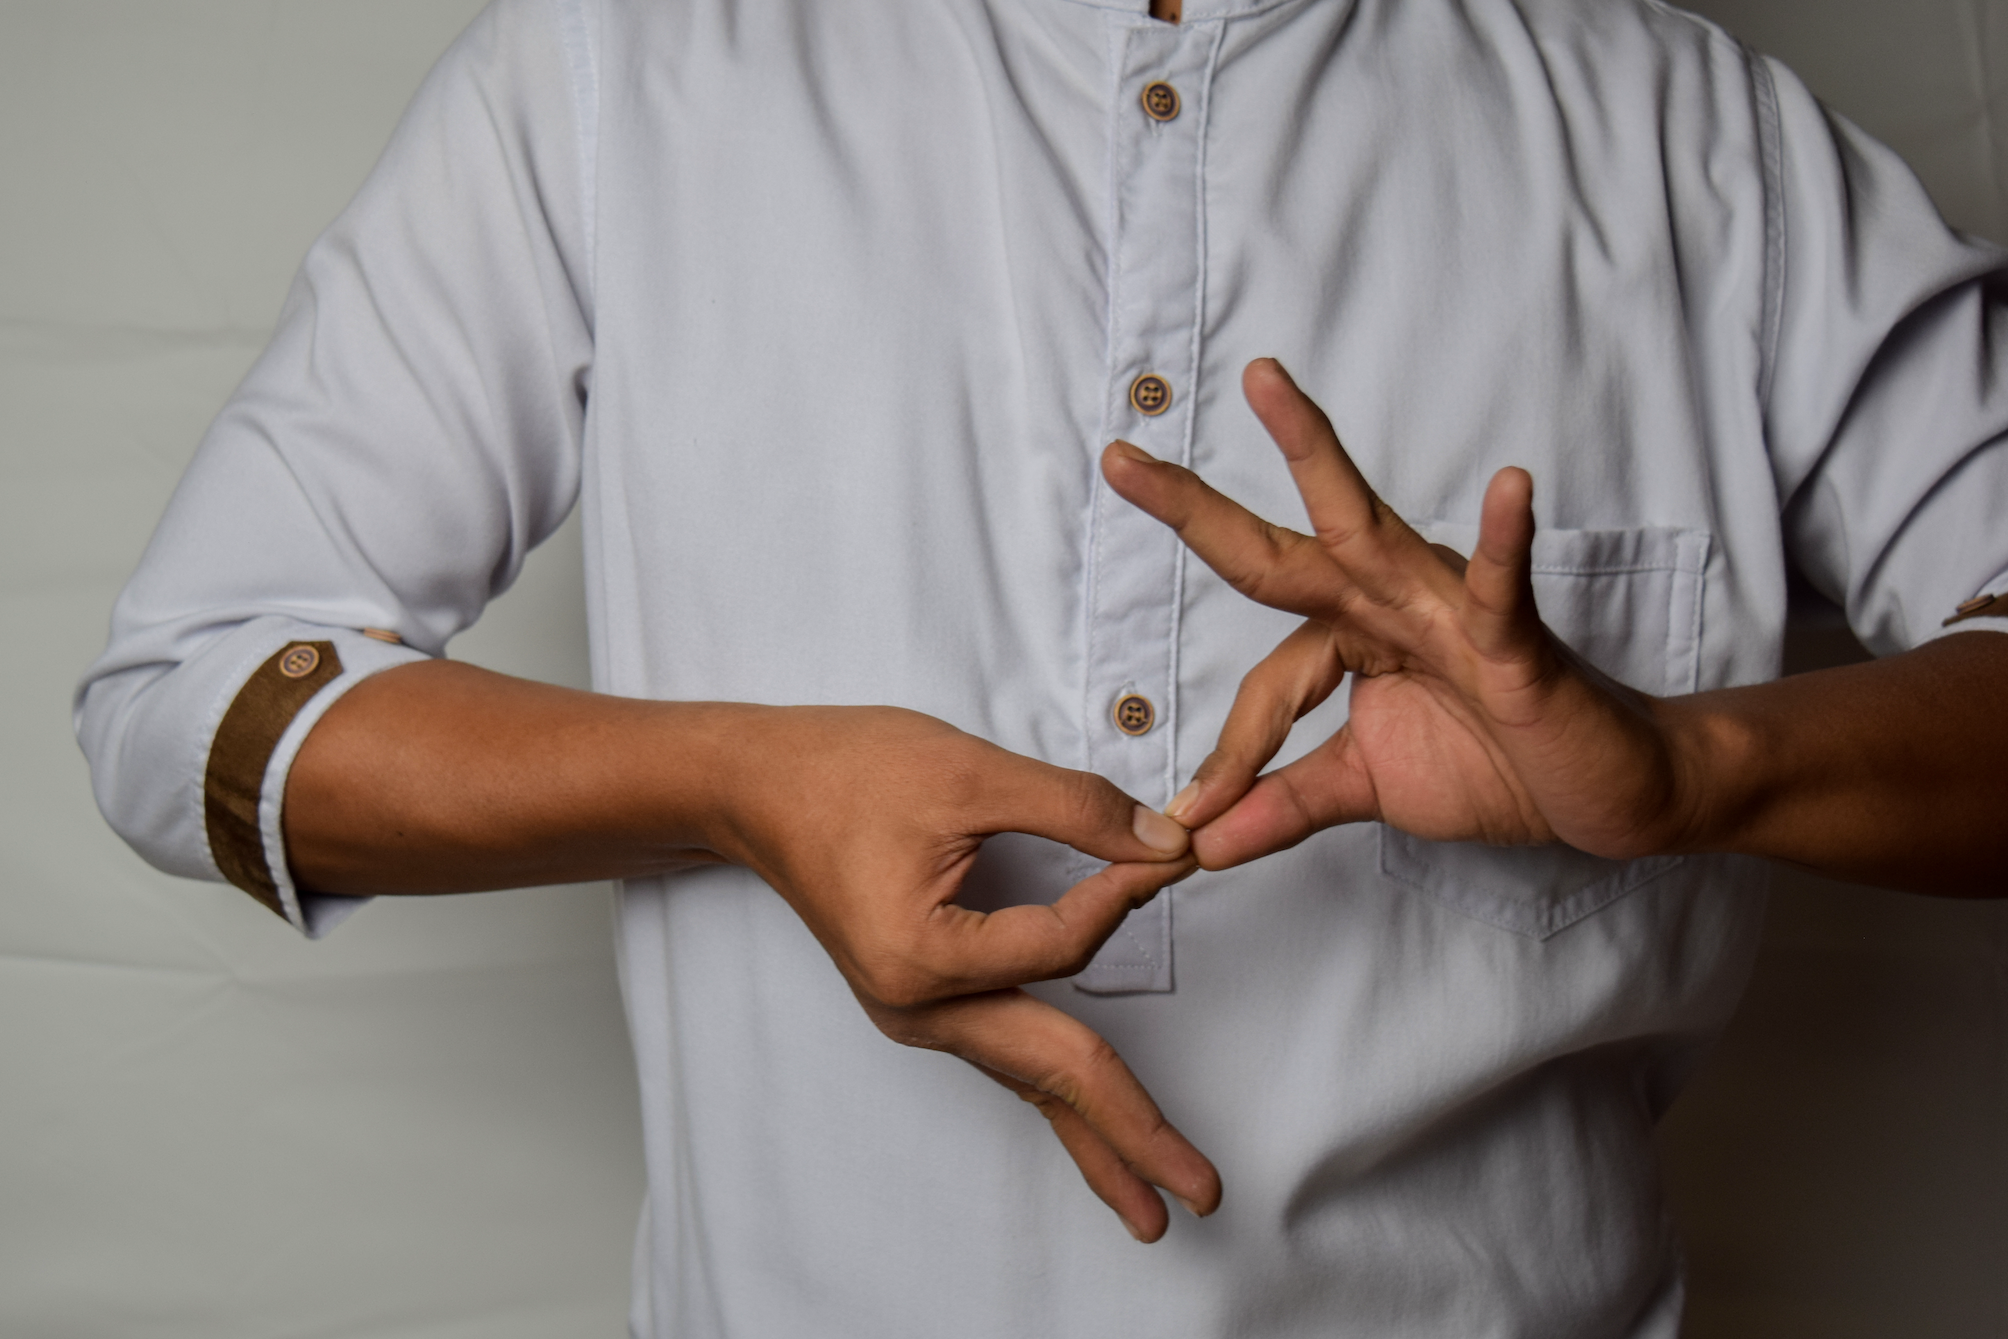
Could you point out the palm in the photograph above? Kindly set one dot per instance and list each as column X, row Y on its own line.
column 1432, row 770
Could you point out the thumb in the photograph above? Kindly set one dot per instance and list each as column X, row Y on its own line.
column 1499, row 580
column 1081, row 809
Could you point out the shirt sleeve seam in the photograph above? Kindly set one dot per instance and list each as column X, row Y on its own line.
column 1771, row 163
column 577, row 32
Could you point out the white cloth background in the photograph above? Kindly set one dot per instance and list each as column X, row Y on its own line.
column 424, row 1127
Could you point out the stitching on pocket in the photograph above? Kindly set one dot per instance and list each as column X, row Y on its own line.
column 1467, row 877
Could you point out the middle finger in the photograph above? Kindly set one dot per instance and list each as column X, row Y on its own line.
column 1380, row 551
column 1029, row 1040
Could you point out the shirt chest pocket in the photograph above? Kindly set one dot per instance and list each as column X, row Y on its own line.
column 1629, row 601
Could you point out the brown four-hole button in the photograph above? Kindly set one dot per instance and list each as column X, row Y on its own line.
column 1160, row 101
column 299, row 662
column 1150, row 394
column 1134, row 714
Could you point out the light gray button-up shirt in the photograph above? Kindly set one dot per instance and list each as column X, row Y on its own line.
column 822, row 313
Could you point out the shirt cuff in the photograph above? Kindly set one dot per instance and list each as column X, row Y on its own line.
column 251, row 755
column 1980, row 606
column 1985, row 612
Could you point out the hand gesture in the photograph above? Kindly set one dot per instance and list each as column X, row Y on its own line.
column 867, row 820
column 1469, row 720
column 441, row 777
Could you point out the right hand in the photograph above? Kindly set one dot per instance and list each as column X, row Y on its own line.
column 867, row 820
column 439, row 777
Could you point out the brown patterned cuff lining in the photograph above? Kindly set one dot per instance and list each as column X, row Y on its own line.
column 1980, row 606
column 241, row 751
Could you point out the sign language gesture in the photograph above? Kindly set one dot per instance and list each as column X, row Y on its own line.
column 439, row 776
column 1469, row 720
column 868, row 821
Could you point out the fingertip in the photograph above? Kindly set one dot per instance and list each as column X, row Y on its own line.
column 1513, row 485
column 1133, row 472
column 1119, row 455
column 1215, row 851
column 1225, row 774
column 1161, row 834
column 1266, row 367
column 1202, row 1198
column 1198, row 1186
column 1506, row 522
column 1183, row 803
column 1145, row 1235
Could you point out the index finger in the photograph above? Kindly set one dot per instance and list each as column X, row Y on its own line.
column 969, row 951
column 1267, row 563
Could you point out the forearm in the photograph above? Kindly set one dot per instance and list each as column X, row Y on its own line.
column 441, row 777
column 1893, row 773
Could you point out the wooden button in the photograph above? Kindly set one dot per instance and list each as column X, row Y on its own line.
column 1980, row 606
column 383, row 635
column 299, row 662
column 1150, row 395
column 1160, row 101
column 1134, row 714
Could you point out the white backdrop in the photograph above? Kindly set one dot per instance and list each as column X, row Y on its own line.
column 424, row 1127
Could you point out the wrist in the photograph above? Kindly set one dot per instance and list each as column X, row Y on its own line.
column 1717, row 755
column 703, row 771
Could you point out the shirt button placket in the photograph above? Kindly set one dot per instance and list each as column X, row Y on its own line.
column 1130, row 712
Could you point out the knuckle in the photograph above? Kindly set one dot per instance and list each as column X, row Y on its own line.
column 1049, row 1106
column 909, row 990
column 1334, row 536
column 898, row 982
column 960, row 782
column 907, row 1029
column 1216, row 765
column 1088, row 1070
column 1088, row 800
column 1267, row 578
column 1098, row 1057
column 1075, row 960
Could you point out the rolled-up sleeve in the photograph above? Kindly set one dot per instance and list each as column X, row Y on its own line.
column 412, row 431
column 1887, row 408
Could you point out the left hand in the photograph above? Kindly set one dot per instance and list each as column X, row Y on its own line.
column 1470, row 720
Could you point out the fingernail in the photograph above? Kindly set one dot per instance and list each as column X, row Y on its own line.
column 1181, row 802
column 1159, row 833
column 1134, row 1231
column 1131, row 451
column 1190, row 1207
